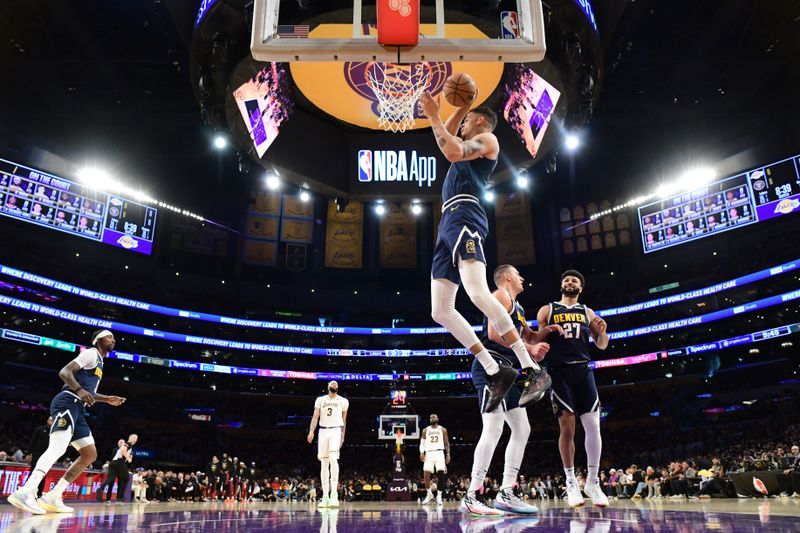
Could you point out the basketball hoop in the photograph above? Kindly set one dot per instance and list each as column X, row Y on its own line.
column 397, row 88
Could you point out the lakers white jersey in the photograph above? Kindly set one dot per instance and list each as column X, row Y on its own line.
column 434, row 438
column 330, row 411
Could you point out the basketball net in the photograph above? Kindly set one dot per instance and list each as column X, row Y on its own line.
column 397, row 88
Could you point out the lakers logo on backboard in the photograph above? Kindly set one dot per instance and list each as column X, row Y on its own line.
column 470, row 244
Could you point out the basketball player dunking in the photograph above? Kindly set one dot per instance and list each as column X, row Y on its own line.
column 81, row 379
column 331, row 412
column 458, row 256
column 509, row 284
column 574, row 392
column 434, row 452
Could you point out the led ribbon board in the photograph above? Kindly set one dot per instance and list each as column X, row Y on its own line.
column 355, row 330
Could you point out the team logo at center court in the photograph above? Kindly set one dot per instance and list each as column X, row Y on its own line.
column 470, row 246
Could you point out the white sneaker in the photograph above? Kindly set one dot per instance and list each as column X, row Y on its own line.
column 594, row 491
column 25, row 500
column 428, row 498
column 470, row 505
column 334, row 501
column 508, row 501
column 574, row 496
column 439, row 498
column 53, row 503
column 324, row 502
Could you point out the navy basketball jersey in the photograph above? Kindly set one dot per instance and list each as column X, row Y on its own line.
column 573, row 347
column 91, row 372
column 517, row 314
column 466, row 180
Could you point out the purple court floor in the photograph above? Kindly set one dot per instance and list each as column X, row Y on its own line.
column 727, row 516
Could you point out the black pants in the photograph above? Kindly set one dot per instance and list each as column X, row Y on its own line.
column 117, row 471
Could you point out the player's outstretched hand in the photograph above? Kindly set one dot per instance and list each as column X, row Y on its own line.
column 86, row 396
column 310, row 437
column 539, row 350
column 599, row 325
column 430, row 107
column 554, row 328
column 116, row 400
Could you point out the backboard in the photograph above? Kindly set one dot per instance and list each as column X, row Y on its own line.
column 270, row 44
column 388, row 423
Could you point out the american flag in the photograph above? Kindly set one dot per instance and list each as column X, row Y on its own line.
column 293, row 31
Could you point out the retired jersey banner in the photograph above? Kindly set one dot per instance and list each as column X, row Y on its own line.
column 262, row 227
column 514, row 229
column 300, row 231
column 258, row 252
column 295, row 208
column 265, row 203
column 344, row 236
column 398, row 245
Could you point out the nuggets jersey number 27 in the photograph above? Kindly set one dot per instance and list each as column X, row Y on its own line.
column 573, row 347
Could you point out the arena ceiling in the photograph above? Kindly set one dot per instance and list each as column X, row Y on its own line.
column 684, row 80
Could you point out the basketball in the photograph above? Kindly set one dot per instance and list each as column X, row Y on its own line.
column 459, row 89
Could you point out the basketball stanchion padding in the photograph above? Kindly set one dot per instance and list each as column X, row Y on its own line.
column 398, row 22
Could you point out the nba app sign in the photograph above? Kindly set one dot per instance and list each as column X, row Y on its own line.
column 396, row 166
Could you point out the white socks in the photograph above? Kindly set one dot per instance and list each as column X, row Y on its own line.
column 593, row 442
column 62, row 484
column 517, row 420
column 570, row 473
column 488, row 362
column 325, row 477
column 334, row 476
column 522, row 354
column 59, row 442
column 490, row 435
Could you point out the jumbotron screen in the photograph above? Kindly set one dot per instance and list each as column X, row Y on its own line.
column 753, row 196
column 43, row 199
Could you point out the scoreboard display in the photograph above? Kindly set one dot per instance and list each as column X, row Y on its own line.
column 57, row 203
column 753, row 196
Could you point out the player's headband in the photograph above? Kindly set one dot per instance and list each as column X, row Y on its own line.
column 99, row 335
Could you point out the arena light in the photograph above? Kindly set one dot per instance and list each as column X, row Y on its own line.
column 220, row 142
column 489, row 195
column 273, row 182
column 416, row 209
column 572, row 142
column 380, row 209
column 96, row 178
column 522, row 181
column 304, row 196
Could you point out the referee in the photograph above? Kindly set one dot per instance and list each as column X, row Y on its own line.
column 118, row 470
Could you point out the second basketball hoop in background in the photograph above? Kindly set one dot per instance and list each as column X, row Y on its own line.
column 459, row 89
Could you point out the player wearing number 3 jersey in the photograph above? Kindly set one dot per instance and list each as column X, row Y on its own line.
column 331, row 412
column 568, row 325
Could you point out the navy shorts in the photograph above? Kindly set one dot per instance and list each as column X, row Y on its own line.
column 511, row 401
column 573, row 389
column 68, row 414
column 462, row 233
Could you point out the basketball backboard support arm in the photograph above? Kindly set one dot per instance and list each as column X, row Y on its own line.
column 266, row 45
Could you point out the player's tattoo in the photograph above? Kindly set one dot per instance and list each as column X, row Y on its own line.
column 440, row 140
column 470, row 147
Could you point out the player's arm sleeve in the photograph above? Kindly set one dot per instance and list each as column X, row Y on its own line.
column 505, row 301
column 422, row 443
column 446, row 441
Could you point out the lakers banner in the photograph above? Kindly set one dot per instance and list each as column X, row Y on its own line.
column 258, row 252
column 300, row 231
column 342, row 89
column 295, row 208
column 514, row 229
column 262, row 227
column 398, row 245
column 344, row 236
column 265, row 203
